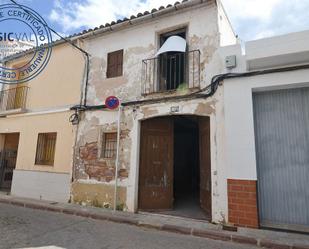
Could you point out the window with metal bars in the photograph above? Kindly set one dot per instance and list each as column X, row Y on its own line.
column 109, row 146
column 45, row 151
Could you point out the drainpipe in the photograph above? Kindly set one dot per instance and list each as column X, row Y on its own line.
column 117, row 156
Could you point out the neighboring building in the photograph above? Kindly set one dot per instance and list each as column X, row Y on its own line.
column 171, row 156
column 8, row 48
column 36, row 137
column 267, row 133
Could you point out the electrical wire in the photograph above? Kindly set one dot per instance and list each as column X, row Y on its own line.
column 46, row 26
column 205, row 92
column 83, row 100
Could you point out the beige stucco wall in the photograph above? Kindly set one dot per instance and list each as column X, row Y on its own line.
column 50, row 96
column 29, row 126
column 59, row 84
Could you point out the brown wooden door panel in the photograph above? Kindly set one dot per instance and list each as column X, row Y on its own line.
column 156, row 165
column 205, row 165
column 8, row 158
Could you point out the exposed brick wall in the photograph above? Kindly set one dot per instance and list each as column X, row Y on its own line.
column 242, row 203
column 99, row 169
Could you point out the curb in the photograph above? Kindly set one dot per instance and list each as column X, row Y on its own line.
column 208, row 234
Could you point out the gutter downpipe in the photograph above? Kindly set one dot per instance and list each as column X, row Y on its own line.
column 117, row 156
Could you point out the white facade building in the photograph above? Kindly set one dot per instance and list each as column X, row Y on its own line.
column 266, row 131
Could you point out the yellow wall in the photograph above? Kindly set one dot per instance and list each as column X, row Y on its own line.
column 29, row 127
column 55, row 89
column 59, row 84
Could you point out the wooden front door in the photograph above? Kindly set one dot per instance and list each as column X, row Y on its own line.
column 156, row 165
column 205, row 165
column 8, row 156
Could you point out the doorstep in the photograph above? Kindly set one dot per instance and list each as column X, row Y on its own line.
column 261, row 238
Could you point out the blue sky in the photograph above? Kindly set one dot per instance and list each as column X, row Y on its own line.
column 251, row 19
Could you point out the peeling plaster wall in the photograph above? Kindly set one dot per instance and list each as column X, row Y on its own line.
column 212, row 107
column 90, row 168
column 141, row 42
column 129, row 148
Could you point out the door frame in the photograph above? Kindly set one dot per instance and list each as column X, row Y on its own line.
column 138, row 156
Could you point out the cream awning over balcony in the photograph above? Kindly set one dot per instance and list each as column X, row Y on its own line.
column 173, row 44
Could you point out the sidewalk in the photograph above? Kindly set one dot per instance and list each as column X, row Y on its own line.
column 261, row 238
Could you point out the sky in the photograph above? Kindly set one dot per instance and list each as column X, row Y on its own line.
column 251, row 19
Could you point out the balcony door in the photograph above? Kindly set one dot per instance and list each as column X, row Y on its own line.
column 19, row 97
column 18, row 93
column 172, row 65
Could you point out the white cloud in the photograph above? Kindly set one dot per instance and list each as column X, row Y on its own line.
column 73, row 15
column 261, row 9
column 254, row 19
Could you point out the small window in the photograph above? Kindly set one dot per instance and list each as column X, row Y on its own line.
column 114, row 64
column 45, row 151
column 109, row 146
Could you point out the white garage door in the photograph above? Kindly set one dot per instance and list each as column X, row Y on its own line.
column 282, row 151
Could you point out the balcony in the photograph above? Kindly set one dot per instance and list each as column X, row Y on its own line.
column 171, row 72
column 13, row 100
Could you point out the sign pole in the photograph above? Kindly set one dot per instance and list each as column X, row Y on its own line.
column 117, row 157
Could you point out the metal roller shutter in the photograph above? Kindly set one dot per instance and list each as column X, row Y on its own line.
column 282, row 150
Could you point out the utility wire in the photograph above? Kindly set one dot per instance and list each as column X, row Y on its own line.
column 51, row 29
column 68, row 41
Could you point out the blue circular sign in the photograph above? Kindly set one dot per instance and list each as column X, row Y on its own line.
column 22, row 28
column 112, row 102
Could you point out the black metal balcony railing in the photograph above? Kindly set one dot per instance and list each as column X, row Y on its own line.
column 13, row 98
column 171, row 71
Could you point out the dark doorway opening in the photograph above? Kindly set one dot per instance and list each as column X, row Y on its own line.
column 186, row 168
column 8, row 156
column 175, row 176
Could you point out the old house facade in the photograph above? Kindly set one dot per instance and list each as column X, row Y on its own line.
column 205, row 129
column 171, row 155
column 36, row 137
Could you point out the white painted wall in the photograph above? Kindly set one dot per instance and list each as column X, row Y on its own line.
column 239, row 137
column 227, row 34
column 278, row 45
column 239, row 126
column 277, row 51
column 238, row 105
column 41, row 185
